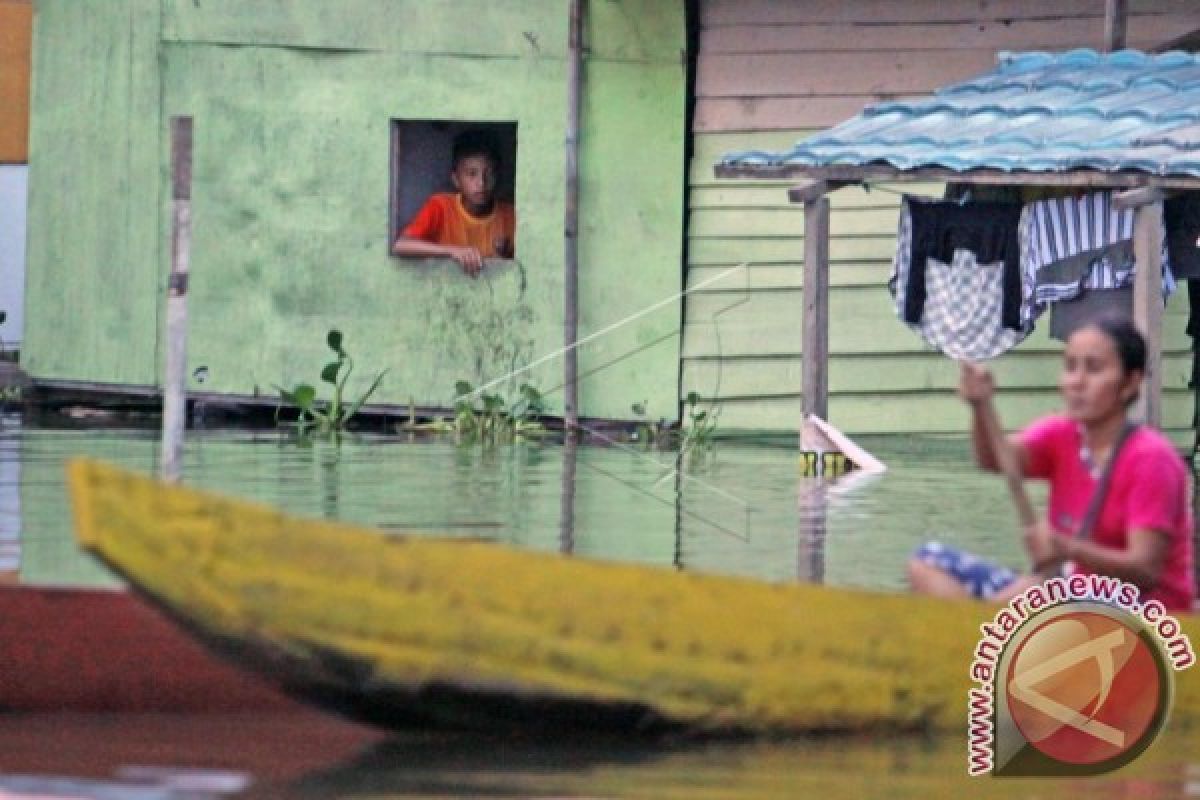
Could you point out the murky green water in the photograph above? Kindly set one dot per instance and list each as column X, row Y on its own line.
column 742, row 510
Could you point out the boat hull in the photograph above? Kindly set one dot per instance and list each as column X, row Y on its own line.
column 419, row 631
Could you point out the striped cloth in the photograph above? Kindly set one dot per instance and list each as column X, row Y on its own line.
column 1069, row 244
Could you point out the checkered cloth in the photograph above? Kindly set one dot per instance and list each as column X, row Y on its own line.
column 964, row 302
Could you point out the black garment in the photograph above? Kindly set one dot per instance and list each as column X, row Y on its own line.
column 1068, row 316
column 1193, row 325
column 1181, row 218
column 989, row 230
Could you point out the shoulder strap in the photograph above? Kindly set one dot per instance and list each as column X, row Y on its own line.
column 1093, row 510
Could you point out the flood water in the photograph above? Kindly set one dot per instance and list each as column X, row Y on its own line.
column 740, row 509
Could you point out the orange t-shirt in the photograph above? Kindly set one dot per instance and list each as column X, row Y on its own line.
column 444, row 220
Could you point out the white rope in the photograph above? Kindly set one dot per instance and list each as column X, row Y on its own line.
column 670, row 468
column 597, row 334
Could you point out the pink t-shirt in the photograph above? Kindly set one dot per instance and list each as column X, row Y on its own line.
column 1148, row 490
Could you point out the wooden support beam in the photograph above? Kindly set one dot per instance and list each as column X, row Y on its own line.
column 1114, row 24
column 575, row 26
column 808, row 192
column 1148, row 305
column 815, row 344
column 1136, row 198
column 1130, row 179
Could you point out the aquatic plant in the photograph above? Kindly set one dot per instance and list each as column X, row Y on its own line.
column 332, row 415
column 490, row 419
column 701, row 425
column 648, row 431
column 696, row 434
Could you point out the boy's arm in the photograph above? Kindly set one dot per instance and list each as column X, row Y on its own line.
column 418, row 239
column 468, row 258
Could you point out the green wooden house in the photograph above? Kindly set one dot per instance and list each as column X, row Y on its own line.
column 302, row 110
column 315, row 123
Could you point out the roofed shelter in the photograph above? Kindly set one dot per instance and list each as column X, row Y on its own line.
column 1125, row 121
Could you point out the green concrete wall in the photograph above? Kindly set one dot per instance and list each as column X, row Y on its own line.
column 292, row 103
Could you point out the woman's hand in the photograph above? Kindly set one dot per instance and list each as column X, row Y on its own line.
column 975, row 383
column 1045, row 547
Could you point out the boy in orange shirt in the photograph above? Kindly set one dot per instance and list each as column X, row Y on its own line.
column 469, row 225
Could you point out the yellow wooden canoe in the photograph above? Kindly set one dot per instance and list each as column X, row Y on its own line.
column 415, row 630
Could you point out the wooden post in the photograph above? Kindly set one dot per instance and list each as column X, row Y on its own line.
column 571, row 220
column 174, row 400
column 1114, row 24
column 815, row 345
column 566, row 506
column 1148, row 305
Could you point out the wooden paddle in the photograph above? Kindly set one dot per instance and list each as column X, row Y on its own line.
column 1007, row 460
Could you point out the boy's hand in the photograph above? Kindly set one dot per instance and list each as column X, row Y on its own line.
column 975, row 383
column 468, row 258
column 503, row 247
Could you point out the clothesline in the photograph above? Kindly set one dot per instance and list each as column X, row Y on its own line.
column 957, row 283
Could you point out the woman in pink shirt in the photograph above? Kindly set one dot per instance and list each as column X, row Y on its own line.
column 1143, row 532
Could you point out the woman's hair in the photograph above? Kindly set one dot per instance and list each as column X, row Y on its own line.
column 1126, row 339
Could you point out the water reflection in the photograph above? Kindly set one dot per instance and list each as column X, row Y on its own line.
column 10, row 503
column 566, row 524
column 812, row 510
column 830, row 768
column 741, row 510
column 307, row 756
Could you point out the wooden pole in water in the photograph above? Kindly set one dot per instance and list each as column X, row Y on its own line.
column 174, row 401
column 571, row 220
column 566, row 520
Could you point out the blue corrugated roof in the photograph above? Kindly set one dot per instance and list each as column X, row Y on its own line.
column 1042, row 112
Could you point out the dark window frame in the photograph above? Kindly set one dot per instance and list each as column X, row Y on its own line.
column 438, row 134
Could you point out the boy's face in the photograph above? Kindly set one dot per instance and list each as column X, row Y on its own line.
column 475, row 178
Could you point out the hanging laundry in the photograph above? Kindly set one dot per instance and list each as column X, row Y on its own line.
column 962, row 312
column 939, row 228
column 1072, row 244
column 1181, row 217
column 1068, row 316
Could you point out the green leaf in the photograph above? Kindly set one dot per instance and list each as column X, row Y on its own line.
column 353, row 409
column 639, row 408
column 462, row 388
column 334, row 340
column 699, row 417
column 693, row 398
column 329, row 373
column 304, row 396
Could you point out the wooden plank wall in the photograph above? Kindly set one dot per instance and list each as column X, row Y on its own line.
column 770, row 72
column 16, row 32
